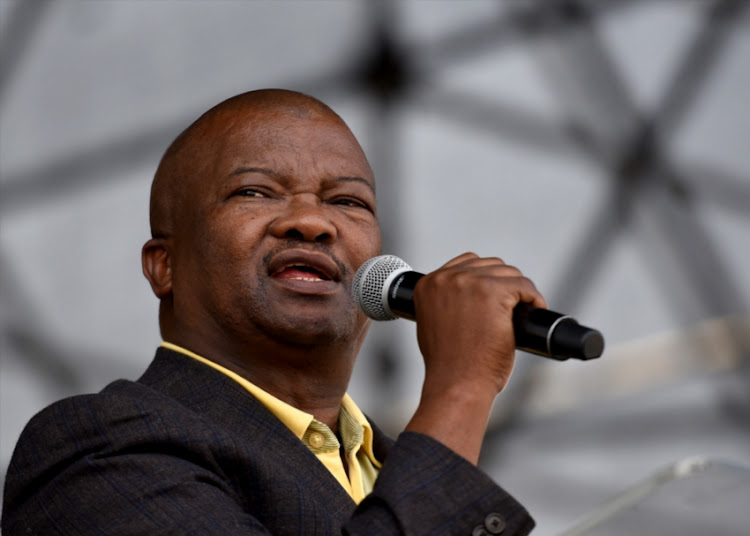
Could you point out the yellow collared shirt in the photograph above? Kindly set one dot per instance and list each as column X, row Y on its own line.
column 356, row 433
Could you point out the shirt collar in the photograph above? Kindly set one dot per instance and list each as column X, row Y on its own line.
column 295, row 419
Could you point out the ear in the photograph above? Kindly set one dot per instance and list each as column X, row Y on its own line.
column 157, row 266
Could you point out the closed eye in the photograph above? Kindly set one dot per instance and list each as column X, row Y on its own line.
column 250, row 192
column 351, row 202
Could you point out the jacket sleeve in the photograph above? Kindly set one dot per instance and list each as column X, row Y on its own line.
column 426, row 488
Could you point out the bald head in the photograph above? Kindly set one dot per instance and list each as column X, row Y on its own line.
column 190, row 153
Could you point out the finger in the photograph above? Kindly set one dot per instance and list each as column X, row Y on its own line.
column 477, row 261
column 512, row 285
column 460, row 259
column 483, row 267
column 489, row 266
column 510, row 290
column 471, row 261
column 528, row 293
column 495, row 268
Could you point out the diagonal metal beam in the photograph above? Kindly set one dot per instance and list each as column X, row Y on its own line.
column 100, row 164
column 589, row 86
column 696, row 65
column 693, row 253
column 591, row 90
column 512, row 25
column 502, row 119
column 711, row 185
column 631, row 149
column 17, row 35
column 586, row 258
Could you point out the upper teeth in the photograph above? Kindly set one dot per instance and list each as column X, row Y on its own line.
column 307, row 279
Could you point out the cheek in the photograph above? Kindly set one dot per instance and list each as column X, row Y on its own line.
column 233, row 230
column 370, row 241
column 229, row 246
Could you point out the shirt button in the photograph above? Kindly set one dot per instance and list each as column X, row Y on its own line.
column 317, row 440
column 495, row 523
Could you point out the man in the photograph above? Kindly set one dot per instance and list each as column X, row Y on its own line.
column 261, row 212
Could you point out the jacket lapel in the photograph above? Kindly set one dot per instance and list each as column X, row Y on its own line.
column 228, row 405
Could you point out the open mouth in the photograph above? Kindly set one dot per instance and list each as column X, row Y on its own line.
column 306, row 271
column 301, row 272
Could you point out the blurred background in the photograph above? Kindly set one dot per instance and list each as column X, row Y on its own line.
column 602, row 146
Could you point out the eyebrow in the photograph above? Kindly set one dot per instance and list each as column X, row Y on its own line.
column 243, row 170
column 367, row 183
column 276, row 175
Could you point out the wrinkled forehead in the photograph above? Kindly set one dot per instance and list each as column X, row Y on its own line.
column 257, row 133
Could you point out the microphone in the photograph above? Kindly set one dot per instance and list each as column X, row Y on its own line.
column 383, row 288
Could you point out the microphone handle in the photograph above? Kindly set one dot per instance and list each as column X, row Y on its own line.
column 538, row 331
column 554, row 335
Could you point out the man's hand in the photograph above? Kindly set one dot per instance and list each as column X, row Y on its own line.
column 464, row 313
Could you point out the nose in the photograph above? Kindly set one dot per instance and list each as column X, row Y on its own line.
column 304, row 217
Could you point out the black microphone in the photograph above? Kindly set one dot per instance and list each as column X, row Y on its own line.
column 383, row 288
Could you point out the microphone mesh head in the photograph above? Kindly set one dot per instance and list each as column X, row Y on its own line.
column 369, row 283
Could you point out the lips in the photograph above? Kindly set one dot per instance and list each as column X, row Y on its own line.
column 308, row 266
column 300, row 273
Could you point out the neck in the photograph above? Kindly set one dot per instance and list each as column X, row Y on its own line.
column 311, row 378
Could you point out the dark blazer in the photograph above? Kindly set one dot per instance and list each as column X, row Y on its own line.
column 186, row 450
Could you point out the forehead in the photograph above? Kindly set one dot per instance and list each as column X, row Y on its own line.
column 286, row 142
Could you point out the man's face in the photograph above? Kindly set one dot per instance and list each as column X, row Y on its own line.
column 274, row 228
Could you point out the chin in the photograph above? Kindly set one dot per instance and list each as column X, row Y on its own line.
column 314, row 330
column 305, row 322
